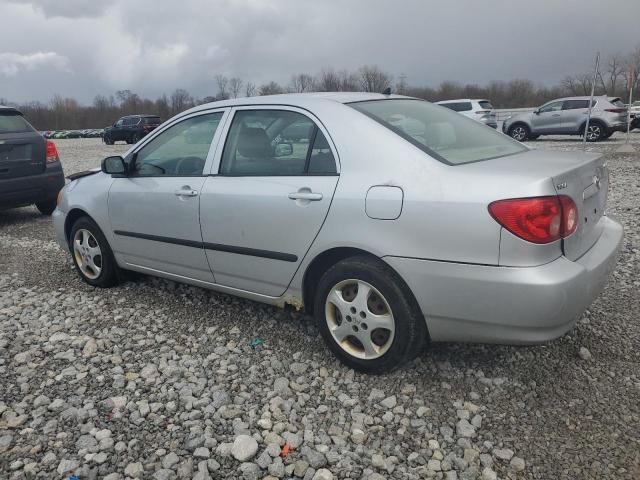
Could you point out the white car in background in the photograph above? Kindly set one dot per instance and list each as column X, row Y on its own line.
column 479, row 110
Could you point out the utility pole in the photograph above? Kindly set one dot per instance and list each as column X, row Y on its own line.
column 593, row 86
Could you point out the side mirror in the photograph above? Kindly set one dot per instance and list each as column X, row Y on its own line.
column 114, row 165
column 284, row 150
column 537, row 111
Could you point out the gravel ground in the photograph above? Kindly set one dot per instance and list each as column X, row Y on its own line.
column 153, row 379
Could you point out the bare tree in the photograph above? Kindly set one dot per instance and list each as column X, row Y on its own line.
column 271, row 88
column 302, row 82
column 222, row 82
column 250, row 90
column 180, row 101
column 235, row 86
column 615, row 69
column 372, row 79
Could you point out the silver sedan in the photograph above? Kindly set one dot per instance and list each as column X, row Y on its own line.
column 393, row 221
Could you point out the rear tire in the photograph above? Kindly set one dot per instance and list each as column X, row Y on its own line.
column 108, row 140
column 367, row 315
column 47, row 207
column 519, row 132
column 92, row 256
column 136, row 138
column 596, row 132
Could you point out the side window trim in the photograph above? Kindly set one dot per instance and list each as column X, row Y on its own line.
column 130, row 155
column 228, row 121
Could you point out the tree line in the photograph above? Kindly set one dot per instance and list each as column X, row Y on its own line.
column 617, row 75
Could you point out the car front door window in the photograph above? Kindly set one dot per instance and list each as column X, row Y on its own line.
column 551, row 107
column 180, row 150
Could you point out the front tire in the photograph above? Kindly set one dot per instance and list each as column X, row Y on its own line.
column 367, row 315
column 92, row 256
column 108, row 140
column 519, row 132
column 47, row 207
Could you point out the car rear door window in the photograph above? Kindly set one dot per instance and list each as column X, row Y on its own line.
column 13, row 122
column 180, row 150
column 275, row 143
column 458, row 106
column 575, row 104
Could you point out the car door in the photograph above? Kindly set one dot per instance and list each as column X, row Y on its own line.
column 268, row 198
column 548, row 119
column 574, row 114
column 154, row 210
column 116, row 130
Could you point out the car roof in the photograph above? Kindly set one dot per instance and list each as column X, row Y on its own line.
column 7, row 108
column 583, row 97
column 302, row 100
column 464, row 100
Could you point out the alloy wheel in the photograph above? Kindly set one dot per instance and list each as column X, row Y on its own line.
column 594, row 132
column 519, row 133
column 87, row 254
column 359, row 319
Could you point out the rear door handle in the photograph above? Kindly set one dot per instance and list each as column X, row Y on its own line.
column 555, row 115
column 186, row 192
column 305, row 195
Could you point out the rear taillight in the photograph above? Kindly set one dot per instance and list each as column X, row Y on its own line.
column 537, row 219
column 52, row 152
column 616, row 110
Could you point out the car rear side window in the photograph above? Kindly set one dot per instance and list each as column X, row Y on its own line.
column 151, row 120
column 486, row 105
column 617, row 102
column 458, row 106
column 275, row 143
column 446, row 136
column 14, row 122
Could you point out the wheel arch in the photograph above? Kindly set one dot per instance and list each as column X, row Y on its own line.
column 72, row 217
column 592, row 121
column 325, row 260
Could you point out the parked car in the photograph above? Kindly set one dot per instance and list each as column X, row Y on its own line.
column 479, row 110
column 634, row 108
column 131, row 128
column 568, row 116
column 30, row 169
column 390, row 236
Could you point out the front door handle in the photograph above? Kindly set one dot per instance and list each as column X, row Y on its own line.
column 305, row 194
column 555, row 115
column 186, row 192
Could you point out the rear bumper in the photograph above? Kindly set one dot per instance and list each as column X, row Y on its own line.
column 514, row 305
column 16, row 192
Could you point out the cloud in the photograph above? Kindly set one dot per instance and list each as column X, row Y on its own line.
column 67, row 8
column 11, row 64
column 156, row 46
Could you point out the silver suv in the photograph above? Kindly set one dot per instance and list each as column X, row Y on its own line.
column 568, row 116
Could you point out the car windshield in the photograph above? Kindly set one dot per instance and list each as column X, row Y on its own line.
column 13, row 122
column 445, row 135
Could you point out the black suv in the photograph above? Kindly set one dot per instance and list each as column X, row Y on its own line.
column 130, row 128
column 30, row 169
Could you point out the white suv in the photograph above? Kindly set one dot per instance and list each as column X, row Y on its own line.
column 480, row 110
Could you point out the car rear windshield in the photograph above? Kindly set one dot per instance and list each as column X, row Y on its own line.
column 151, row 120
column 486, row 105
column 446, row 136
column 13, row 122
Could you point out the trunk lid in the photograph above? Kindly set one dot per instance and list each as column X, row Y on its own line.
column 587, row 184
column 581, row 176
column 21, row 154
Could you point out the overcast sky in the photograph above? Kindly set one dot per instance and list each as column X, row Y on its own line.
column 80, row 48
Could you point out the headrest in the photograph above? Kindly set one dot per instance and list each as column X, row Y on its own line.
column 254, row 143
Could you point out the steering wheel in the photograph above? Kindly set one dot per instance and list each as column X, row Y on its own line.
column 184, row 160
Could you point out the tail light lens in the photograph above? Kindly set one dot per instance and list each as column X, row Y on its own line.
column 616, row 110
column 538, row 219
column 52, row 152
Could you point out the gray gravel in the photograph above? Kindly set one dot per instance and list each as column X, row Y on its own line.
column 158, row 380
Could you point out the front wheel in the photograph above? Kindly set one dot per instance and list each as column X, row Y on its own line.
column 92, row 255
column 519, row 132
column 47, row 207
column 108, row 140
column 367, row 315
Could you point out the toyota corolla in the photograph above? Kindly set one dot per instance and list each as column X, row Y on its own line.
column 393, row 221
